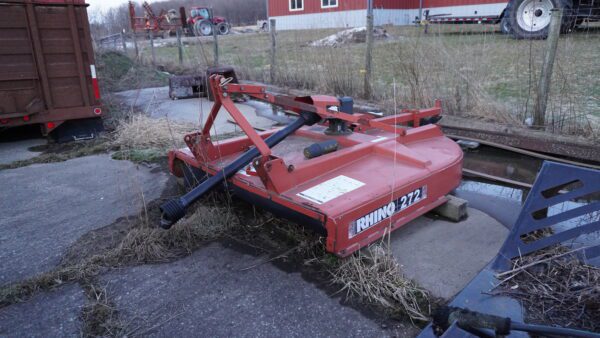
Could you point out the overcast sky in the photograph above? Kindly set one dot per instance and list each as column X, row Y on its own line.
column 96, row 5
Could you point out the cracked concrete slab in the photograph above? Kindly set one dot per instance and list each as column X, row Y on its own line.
column 19, row 150
column 156, row 103
column 45, row 208
column 48, row 314
column 444, row 256
column 218, row 292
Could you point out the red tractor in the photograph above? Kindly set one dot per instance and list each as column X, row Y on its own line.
column 202, row 21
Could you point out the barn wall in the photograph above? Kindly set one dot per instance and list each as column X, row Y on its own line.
column 344, row 19
column 395, row 12
column 395, row 4
column 281, row 7
column 397, row 17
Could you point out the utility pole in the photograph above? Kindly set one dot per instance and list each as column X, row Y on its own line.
column 369, row 59
column 543, row 89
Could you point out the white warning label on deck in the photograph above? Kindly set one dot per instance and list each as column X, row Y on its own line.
column 330, row 189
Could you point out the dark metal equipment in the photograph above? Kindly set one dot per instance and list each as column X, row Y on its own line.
column 187, row 86
column 555, row 185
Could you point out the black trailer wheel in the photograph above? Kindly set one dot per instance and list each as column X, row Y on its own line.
column 223, row 28
column 530, row 19
column 505, row 26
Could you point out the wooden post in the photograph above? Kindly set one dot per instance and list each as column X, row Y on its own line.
column 273, row 68
column 135, row 45
column 152, row 47
column 369, row 59
column 541, row 100
column 124, row 43
column 216, row 46
column 179, row 45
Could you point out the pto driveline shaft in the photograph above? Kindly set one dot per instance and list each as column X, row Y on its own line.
column 174, row 209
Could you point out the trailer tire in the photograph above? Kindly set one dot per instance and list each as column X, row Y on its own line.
column 223, row 28
column 530, row 19
column 505, row 26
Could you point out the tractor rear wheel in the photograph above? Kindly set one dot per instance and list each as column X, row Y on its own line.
column 530, row 19
column 223, row 28
column 203, row 28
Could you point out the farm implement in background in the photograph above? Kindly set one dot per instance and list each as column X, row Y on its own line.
column 352, row 177
column 200, row 22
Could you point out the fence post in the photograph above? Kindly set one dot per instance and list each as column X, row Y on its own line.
column 216, row 45
column 124, row 43
column 152, row 47
column 543, row 89
column 273, row 68
column 135, row 45
column 179, row 45
column 369, row 59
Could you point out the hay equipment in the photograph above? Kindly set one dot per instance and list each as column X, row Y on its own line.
column 352, row 177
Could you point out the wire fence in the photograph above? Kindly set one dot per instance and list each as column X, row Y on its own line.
column 475, row 69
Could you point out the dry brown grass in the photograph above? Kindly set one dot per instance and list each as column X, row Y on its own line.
column 100, row 317
column 142, row 244
column 147, row 244
column 556, row 288
column 143, row 132
column 375, row 277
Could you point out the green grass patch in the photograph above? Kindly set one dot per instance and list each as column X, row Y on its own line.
column 151, row 155
column 118, row 72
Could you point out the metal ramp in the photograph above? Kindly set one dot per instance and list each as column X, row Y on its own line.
column 562, row 198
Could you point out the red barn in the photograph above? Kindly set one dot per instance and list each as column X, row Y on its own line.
column 307, row 14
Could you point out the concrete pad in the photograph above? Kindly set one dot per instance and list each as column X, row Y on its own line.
column 157, row 103
column 500, row 202
column 19, row 150
column 48, row 314
column 444, row 256
column 215, row 293
column 46, row 207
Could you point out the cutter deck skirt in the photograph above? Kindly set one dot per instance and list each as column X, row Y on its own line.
column 351, row 176
column 373, row 183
